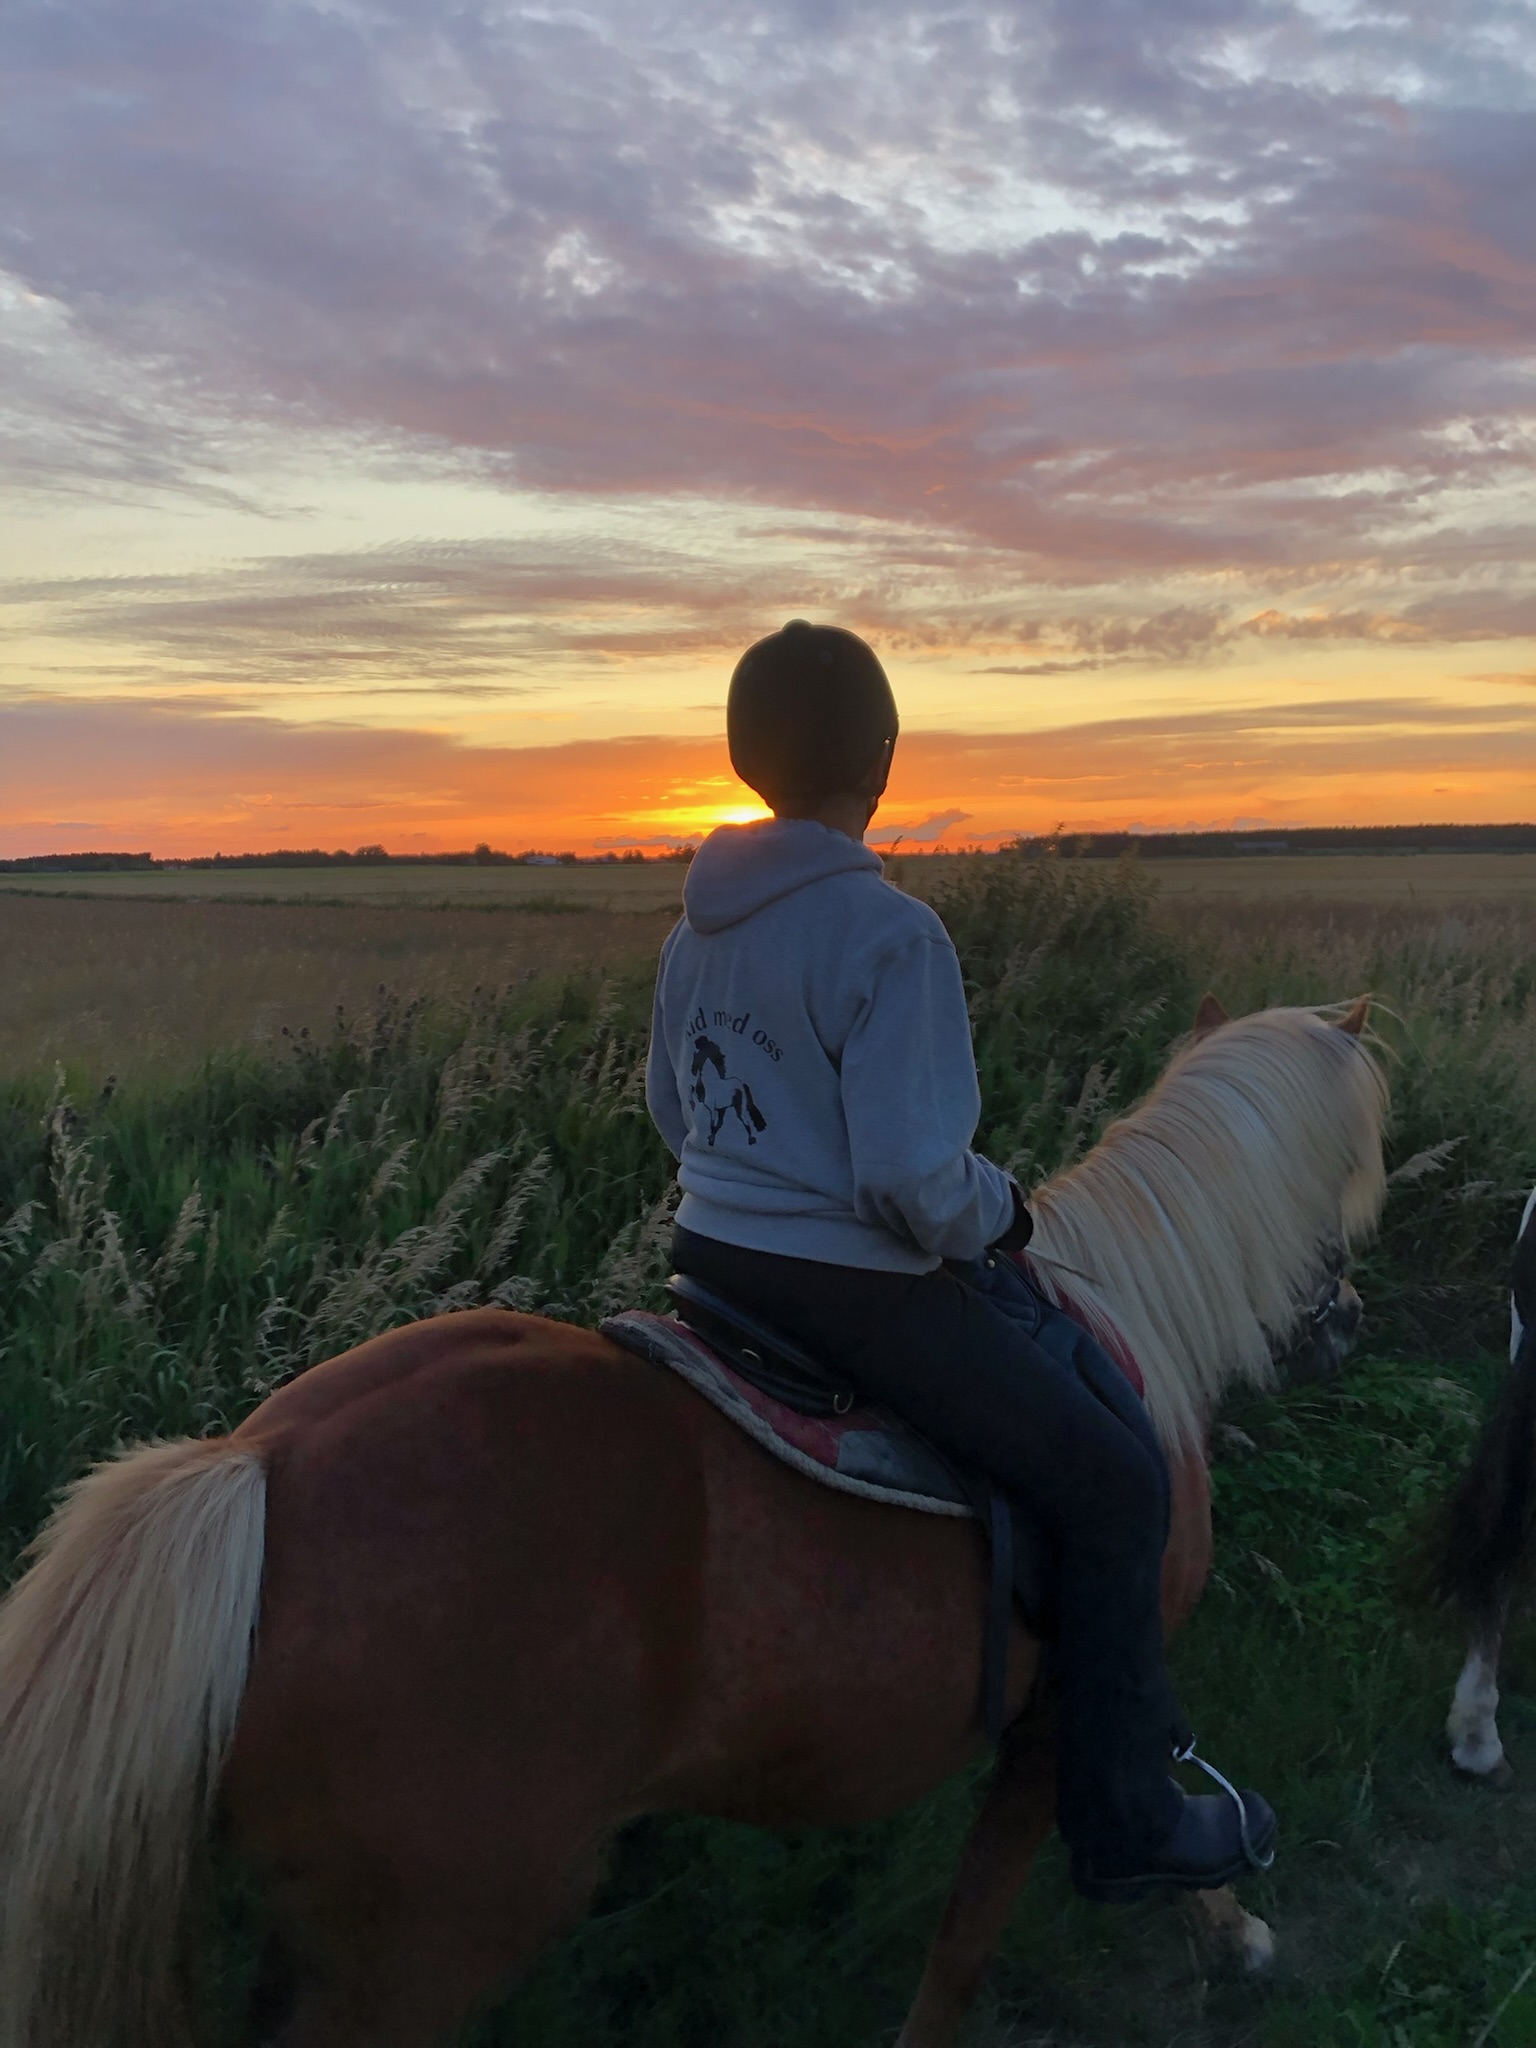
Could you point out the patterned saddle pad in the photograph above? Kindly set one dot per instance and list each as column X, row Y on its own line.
column 867, row 1451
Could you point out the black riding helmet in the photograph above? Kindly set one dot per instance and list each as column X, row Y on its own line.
column 808, row 714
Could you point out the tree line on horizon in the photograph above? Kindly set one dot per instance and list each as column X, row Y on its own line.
column 1509, row 838
column 317, row 857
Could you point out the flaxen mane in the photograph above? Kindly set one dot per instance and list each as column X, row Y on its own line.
column 1203, row 1220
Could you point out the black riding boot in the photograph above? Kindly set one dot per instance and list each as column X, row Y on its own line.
column 1128, row 1824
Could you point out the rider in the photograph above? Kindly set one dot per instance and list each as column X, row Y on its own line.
column 811, row 1069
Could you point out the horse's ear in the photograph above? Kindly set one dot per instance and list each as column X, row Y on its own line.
column 1355, row 1018
column 1209, row 1016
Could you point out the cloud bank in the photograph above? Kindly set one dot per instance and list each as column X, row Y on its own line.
column 1119, row 289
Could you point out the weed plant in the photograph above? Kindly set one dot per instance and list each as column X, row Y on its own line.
column 172, row 1250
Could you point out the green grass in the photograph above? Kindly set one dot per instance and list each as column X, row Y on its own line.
column 171, row 1250
column 173, row 1255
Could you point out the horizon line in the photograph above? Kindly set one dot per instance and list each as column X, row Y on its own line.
column 637, row 852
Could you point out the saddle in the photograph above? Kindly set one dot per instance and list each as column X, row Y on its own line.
column 806, row 1413
column 772, row 1362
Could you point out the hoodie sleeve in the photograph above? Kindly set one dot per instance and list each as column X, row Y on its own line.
column 911, row 1103
column 661, row 1090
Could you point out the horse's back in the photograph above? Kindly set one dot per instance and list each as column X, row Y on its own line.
column 417, row 1361
column 454, row 1638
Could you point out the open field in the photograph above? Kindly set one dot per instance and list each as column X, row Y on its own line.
column 152, row 986
column 1325, row 878
column 620, row 886
column 220, row 1222
column 130, row 974
column 1406, row 878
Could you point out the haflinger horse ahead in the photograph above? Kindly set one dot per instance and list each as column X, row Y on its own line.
column 446, row 1612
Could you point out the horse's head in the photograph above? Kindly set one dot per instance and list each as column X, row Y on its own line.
column 707, row 1053
column 1328, row 1321
column 1325, row 1333
column 1328, row 1326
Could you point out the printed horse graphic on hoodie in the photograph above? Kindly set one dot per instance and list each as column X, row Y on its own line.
column 722, row 1093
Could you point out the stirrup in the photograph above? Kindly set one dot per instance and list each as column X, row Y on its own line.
column 1187, row 1755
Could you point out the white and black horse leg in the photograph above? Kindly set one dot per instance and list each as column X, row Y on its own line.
column 1472, row 1725
column 1489, row 1529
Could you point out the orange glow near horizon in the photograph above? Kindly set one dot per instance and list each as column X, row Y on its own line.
column 222, row 718
column 158, row 778
column 692, row 818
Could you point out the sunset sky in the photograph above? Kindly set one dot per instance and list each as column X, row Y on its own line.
column 409, row 410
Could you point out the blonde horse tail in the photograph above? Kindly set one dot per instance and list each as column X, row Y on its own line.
column 123, row 1656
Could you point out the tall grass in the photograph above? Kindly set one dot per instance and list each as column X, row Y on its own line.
column 172, row 1254
column 1456, row 1010
column 172, row 1250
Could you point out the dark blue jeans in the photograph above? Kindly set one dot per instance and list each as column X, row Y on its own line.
column 1009, row 1288
column 997, row 1378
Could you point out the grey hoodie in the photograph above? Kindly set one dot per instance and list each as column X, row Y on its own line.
column 811, row 1065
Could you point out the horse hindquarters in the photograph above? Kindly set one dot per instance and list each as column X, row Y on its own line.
column 523, row 1594
column 478, row 1643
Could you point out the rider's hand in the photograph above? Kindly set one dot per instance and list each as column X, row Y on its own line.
column 1020, row 1230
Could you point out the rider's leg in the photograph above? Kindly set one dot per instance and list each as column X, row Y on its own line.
column 1009, row 1288
column 973, row 1380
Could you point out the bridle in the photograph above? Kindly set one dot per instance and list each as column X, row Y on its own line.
column 1327, row 1301
column 1323, row 1330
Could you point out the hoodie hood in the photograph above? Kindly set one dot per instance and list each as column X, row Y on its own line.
column 740, row 869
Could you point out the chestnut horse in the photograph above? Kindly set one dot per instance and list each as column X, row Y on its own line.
column 446, row 1612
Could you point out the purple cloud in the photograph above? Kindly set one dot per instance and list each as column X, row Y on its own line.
column 1067, row 296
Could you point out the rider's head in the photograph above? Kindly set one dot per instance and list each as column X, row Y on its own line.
column 811, row 720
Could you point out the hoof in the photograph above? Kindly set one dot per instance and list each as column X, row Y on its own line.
column 1256, row 1948
column 1498, row 1777
column 1237, row 1938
